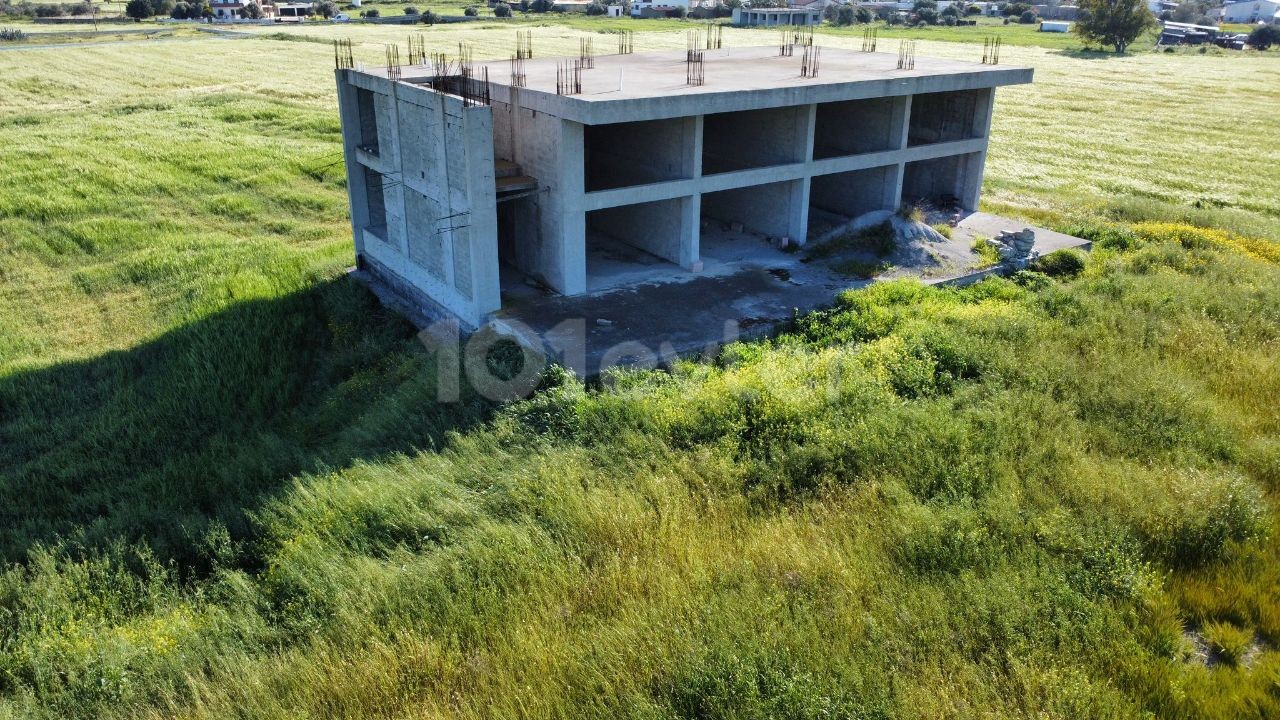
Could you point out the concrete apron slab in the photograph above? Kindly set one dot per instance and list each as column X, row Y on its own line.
column 748, row 293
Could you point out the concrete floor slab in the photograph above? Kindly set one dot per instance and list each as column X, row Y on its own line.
column 747, row 288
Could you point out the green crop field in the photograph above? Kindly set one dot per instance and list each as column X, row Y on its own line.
column 230, row 491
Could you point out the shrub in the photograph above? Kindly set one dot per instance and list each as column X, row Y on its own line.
column 411, row 10
column 326, row 9
column 928, row 16
column 863, row 15
column 911, row 211
column 502, row 10
column 1012, row 9
column 429, row 18
column 44, row 11
column 596, row 8
column 845, row 15
column 470, row 11
column 181, row 11
column 1061, row 263
column 12, row 35
column 253, row 11
column 541, row 6
column 370, row 13
column 1028, row 17
column 138, row 9
column 986, row 252
column 1264, row 36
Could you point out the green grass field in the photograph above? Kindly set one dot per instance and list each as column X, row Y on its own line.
column 231, row 493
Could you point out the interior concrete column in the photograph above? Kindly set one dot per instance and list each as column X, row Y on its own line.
column 901, row 120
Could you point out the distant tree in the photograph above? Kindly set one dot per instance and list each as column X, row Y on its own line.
column 180, row 11
column 370, row 13
column 951, row 11
column 502, row 10
column 863, row 15
column 1264, row 36
column 1113, row 22
column 927, row 15
column 161, row 7
column 831, row 13
column 429, row 17
column 596, row 8
column 471, row 11
column 253, row 11
column 845, row 16
column 1196, row 13
column 972, row 10
column 44, row 11
column 326, row 8
column 720, row 10
column 1014, row 9
column 884, row 12
column 1027, row 18
column 541, row 6
column 138, row 9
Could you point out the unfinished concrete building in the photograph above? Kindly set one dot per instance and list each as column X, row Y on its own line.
column 583, row 180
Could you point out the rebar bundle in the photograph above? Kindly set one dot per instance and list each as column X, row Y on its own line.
column 715, row 37
column 417, row 49
column 803, row 35
column 869, row 37
column 524, row 44
column 587, row 53
column 474, row 91
column 342, row 56
column 695, row 68
column 693, row 44
column 809, row 61
column 907, row 55
column 785, row 48
column 991, row 51
column 569, row 78
column 518, row 78
column 393, row 62
column 626, row 43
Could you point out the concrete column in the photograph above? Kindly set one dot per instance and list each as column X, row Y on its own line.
column 798, row 217
column 972, row 166
column 572, row 249
column 902, row 121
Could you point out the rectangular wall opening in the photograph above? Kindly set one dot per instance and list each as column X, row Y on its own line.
column 637, row 153
column 632, row 243
column 368, row 111
column 375, row 204
column 945, row 116
column 940, row 183
column 754, row 138
column 840, row 197
column 858, row 126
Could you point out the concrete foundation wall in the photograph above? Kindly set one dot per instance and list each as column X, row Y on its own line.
column 859, row 126
column 853, row 193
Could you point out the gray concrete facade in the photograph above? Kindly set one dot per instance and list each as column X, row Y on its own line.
column 640, row 158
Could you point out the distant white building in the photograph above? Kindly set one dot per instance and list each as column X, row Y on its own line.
column 1253, row 11
column 648, row 8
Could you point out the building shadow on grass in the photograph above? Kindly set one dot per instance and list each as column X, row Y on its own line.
column 169, row 442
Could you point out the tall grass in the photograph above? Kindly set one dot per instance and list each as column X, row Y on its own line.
column 230, row 492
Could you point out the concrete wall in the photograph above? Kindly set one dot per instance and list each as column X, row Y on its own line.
column 780, row 209
column 755, row 138
column 623, row 154
column 956, row 175
column 434, row 164
column 666, row 228
column 853, row 193
column 858, row 126
column 550, row 242
column 948, row 116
